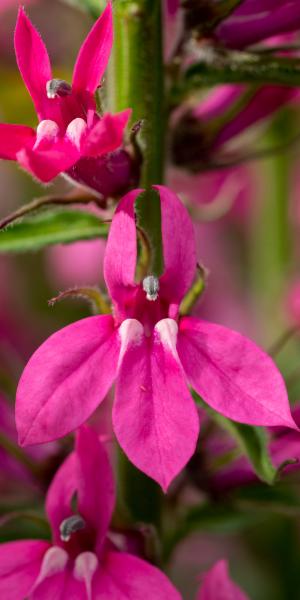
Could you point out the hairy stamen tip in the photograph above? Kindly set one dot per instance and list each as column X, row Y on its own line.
column 69, row 526
column 151, row 287
column 57, row 87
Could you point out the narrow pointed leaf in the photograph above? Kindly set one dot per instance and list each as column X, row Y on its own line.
column 51, row 227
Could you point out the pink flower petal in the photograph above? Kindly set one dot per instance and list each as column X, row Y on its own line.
column 232, row 374
column 86, row 565
column 217, row 585
column 239, row 33
column 130, row 578
column 106, row 135
column 263, row 103
column 33, row 62
column 47, row 164
column 13, row 138
column 218, row 100
column 60, row 586
column 20, row 564
column 54, row 561
column 154, row 417
column 121, row 250
column 66, row 379
column 95, row 485
column 60, row 494
column 76, row 132
column 179, row 246
column 87, row 472
column 94, row 54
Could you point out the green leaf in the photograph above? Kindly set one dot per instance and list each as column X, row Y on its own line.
column 282, row 498
column 92, row 7
column 51, row 227
column 252, row 441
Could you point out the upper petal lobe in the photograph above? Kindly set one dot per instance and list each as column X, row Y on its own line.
column 179, row 247
column 33, row 62
column 121, row 250
column 94, row 54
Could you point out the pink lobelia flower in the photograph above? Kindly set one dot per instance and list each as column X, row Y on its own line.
column 70, row 137
column 217, row 585
column 81, row 563
column 151, row 353
column 257, row 20
column 264, row 102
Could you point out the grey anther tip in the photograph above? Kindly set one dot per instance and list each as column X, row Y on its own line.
column 57, row 87
column 151, row 287
column 69, row 526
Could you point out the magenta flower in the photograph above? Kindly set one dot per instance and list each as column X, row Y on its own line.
column 256, row 20
column 151, row 353
column 217, row 585
column 81, row 562
column 70, row 137
column 263, row 104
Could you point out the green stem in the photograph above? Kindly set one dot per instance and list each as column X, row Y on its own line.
column 136, row 78
column 270, row 239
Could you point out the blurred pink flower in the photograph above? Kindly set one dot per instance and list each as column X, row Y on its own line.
column 257, row 20
column 80, row 263
column 150, row 352
column 70, row 137
column 81, row 562
column 17, row 480
column 293, row 302
column 228, row 192
column 262, row 104
column 7, row 4
column 217, row 585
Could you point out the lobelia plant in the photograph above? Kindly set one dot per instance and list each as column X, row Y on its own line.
column 160, row 370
